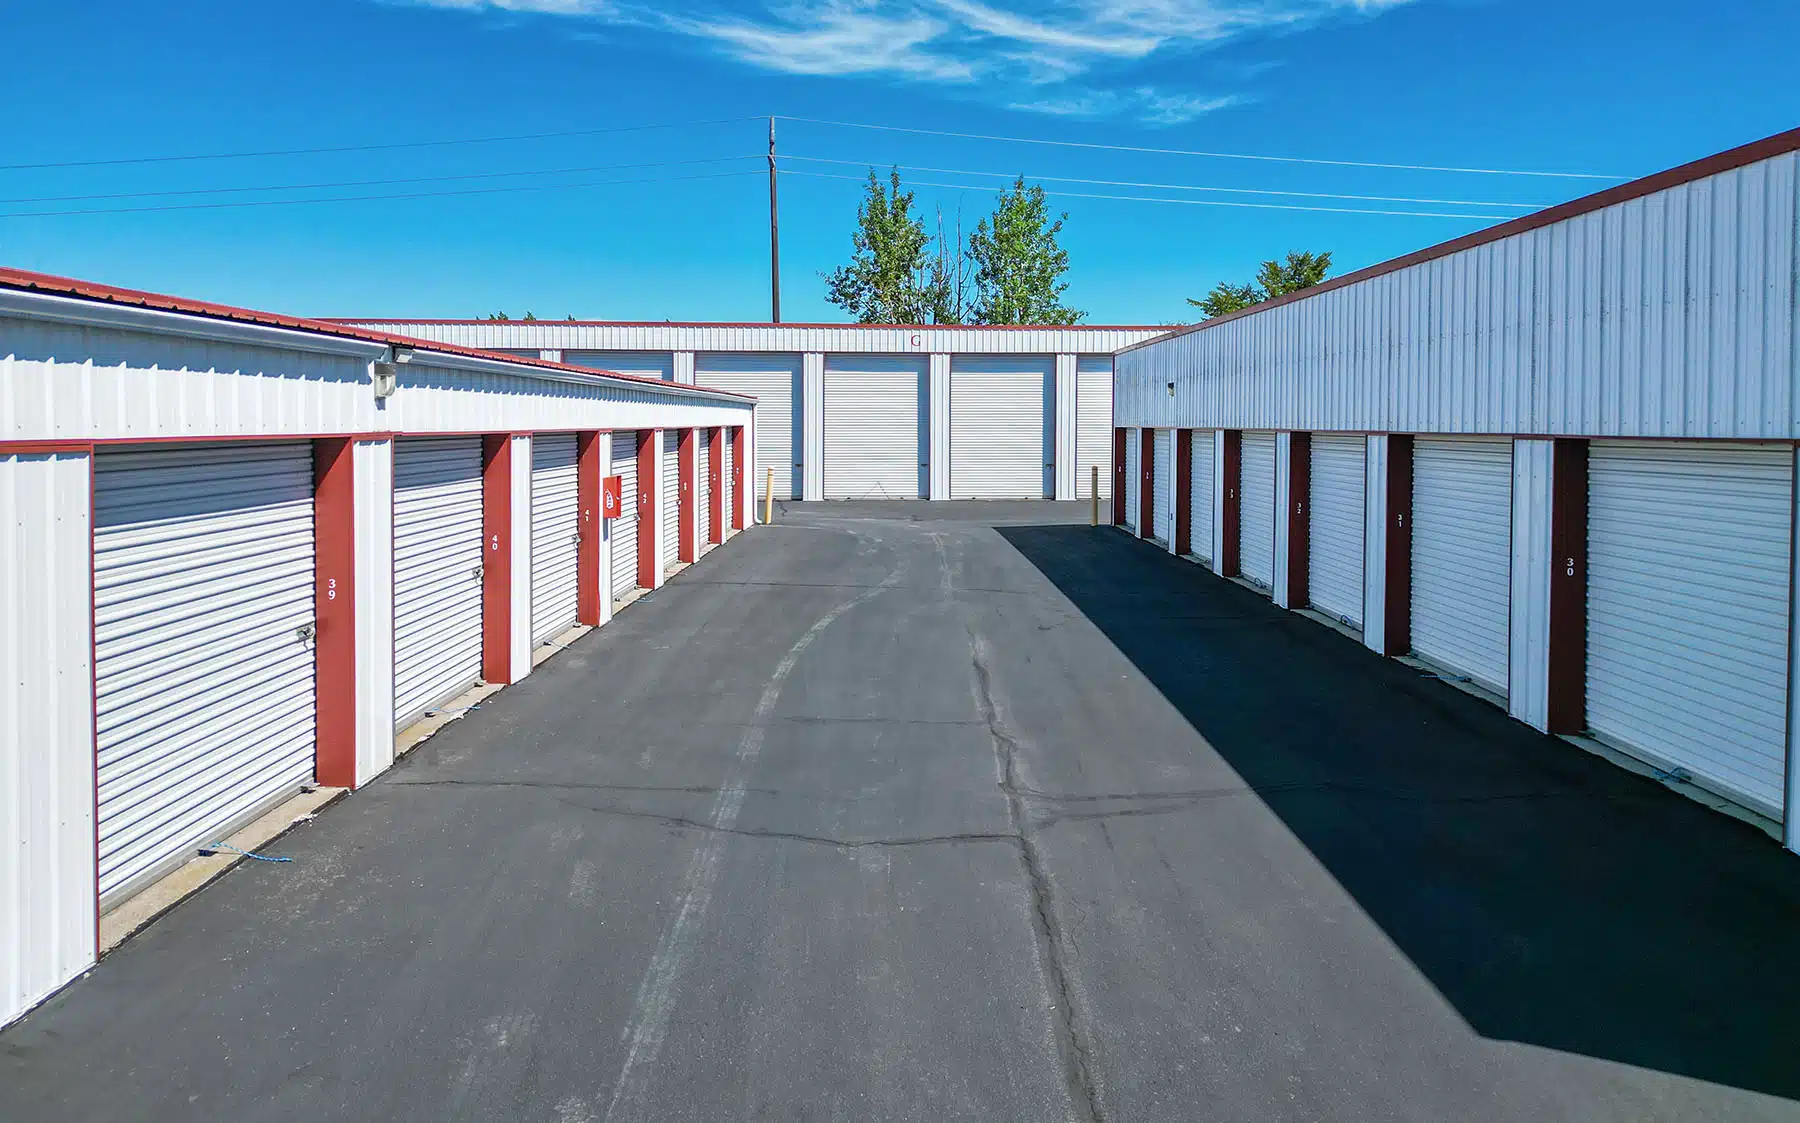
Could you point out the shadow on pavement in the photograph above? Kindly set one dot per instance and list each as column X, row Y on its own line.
column 1553, row 898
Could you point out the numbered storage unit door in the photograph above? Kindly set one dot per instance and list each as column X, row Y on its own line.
column 555, row 535
column 1462, row 555
column 1335, row 527
column 1134, row 473
column 671, row 500
column 703, row 510
column 775, row 381
column 876, row 426
column 1001, row 411
column 1687, row 601
column 203, row 621
column 1163, row 478
column 437, row 571
column 644, row 364
column 625, row 527
column 1200, row 494
column 1256, row 509
column 1093, row 424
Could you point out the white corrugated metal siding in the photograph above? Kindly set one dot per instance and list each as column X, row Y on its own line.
column 1000, row 414
column 203, row 617
column 1256, row 509
column 671, row 500
column 644, row 364
column 46, row 727
column 874, row 415
column 1462, row 555
column 555, row 535
column 1093, row 424
column 1163, row 479
column 703, row 504
column 1134, row 468
column 1688, row 587
column 1200, row 495
column 1334, row 561
column 1669, row 315
column 437, row 571
column 625, row 527
column 774, row 380
column 874, row 339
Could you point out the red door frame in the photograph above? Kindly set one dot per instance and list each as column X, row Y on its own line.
column 334, row 612
column 1231, row 473
column 715, row 485
column 1299, row 515
column 496, row 557
column 590, row 469
column 1184, row 490
column 1146, row 480
column 687, row 549
column 1118, row 491
column 648, row 533
column 737, row 477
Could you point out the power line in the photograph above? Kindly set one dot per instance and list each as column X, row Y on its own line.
column 1188, row 202
column 1191, row 152
column 367, row 198
column 1180, row 186
column 373, row 147
column 371, row 182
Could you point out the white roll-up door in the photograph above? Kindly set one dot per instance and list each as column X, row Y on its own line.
column 775, row 381
column 875, row 426
column 1093, row 424
column 703, row 510
column 1256, row 509
column 1134, row 473
column 1687, row 601
column 1000, row 416
column 555, row 535
column 625, row 527
column 670, row 507
column 644, row 364
column 1462, row 555
column 203, row 617
column 726, row 481
column 437, row 571
column 1335, row 526
column 1163, row 478
column 1200, row 497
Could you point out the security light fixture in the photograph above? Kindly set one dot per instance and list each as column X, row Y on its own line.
column 1171, row 389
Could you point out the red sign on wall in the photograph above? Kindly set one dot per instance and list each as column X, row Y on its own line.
column 611, row 503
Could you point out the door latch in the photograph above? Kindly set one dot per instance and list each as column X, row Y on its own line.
column 305, row 633
column 477, row 572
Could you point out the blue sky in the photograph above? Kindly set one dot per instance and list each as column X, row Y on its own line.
column 1605, row 87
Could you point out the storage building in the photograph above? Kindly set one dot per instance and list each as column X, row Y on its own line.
column 861, row 411
column 1554, row 460
column 239, row 551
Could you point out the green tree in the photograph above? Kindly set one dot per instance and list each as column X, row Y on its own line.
column 888, row 279
column 1018, row 263
column 1226, row 297
column 1300, row 270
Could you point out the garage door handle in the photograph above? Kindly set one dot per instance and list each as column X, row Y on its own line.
column 305, row 632
column 477, row 572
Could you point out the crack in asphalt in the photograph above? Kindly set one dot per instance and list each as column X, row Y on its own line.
column 683, row 823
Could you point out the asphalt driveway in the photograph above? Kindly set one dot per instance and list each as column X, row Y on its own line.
column 961, row 811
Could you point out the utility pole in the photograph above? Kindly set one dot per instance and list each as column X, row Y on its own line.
column 774, row 236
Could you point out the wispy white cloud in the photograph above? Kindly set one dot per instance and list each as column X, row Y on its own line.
column 1068, row 57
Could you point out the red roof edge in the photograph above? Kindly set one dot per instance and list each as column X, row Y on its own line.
column 1778, row 145
column 743, row 324
column 108, row 294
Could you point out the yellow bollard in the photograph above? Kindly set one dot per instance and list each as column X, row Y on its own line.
column 769, row 498
column 1095, row 520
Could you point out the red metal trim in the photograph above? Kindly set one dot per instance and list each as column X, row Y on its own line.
column 589, row 470
column 1299, row 520
column 1777, row 145
column 687, row 527
column 1231, row 478
column 737, row 477
column 39, row 448
column 715, row 485
column 335, row 675
column 1397, row 581
column 736, row 324
column 496, row 564
column 648, row 533
column 1146, row 481
column 1567, row 710
column 1184, row 490
column 1118, row 482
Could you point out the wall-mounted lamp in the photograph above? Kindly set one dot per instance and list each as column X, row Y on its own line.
column 1171, row 389
column 387, row 373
